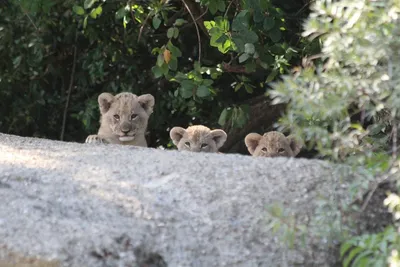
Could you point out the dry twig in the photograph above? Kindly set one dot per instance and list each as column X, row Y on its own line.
column 141, row 27
column 197, row 28
column 71, row 83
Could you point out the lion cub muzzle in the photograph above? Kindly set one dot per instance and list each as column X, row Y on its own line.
column 127, row 134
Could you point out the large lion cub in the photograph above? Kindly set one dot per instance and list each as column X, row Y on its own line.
column 198, row 138
column 272, row 144
column 124, row 119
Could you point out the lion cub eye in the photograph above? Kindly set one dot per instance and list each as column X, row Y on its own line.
column 133, row 116
column 116, row 116
column 281, row 150
column 187, row 144
column 264, row 149
column 204, row 145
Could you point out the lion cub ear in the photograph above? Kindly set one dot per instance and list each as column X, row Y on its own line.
column 147, row 102
column 219, row 137
column 295, row 144
column 251, row 140
column 105, row 100
column 176, row 134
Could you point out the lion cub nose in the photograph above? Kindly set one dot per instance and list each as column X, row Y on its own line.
column 125, row 128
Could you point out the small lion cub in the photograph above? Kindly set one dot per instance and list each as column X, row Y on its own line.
column 198, row 138
column 124, row 119
column 272, row 144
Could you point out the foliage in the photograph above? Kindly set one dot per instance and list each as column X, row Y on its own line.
column 375, row 249
column 369, row 249
column 198, row 73
column 344, row 103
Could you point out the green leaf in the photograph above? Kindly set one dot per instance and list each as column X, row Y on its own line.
column 17, row 61
column 197, row 66
column 248, row 88
column 275, row 35
column 202, row 91
column 249, row 48
column 174, row 50
column 96, row 12
column 160, row 60
column 243, row 57
column 277, row 49
column 125, row 21
column 223, row 118
column 176, row 32
column 170, row 33
column 156, row 22
column 93, row 13
column 221, row 5
column 350, row 257
column 85, row 22
column 344, row 248
column 157, row 71
column 241, row 21
column 89, row 3
column 241, row 117
column 238, row 44
column 267, row 58
column 271, row 76
column 276, row 210
column 238, row 86
column 179, row 22
column 173, row 64
column 78, row 10
column 207, row 82
column 213, row 7
column 186, row 89
column 209, row 24
column 165, row 68
column 258, row 16
column 361, row 257
column 121, row 13
column 217, row 38
column 269, row 23
column 222, row 24
column 99, row 10
column 224, row 45
column 264, row 5
column 245, row 36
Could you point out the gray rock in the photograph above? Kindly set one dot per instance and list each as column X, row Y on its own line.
column 70, row 204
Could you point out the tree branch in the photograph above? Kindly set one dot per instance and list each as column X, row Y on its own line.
column 71, row 83
column 197, row 28
column 141, row 27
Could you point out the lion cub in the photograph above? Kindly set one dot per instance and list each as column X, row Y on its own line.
column 124, row 119
column 272, row 144
column 198, row 138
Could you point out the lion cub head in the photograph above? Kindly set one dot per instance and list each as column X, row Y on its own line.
column 272, row 144
column 125, row 114
column 197, row 138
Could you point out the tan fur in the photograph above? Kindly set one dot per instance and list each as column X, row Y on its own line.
column 198, row 138
column 124, row 119
column 272, row 144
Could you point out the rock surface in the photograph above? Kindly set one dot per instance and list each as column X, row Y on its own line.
column 70, row 204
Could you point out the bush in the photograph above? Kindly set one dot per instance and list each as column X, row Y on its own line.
column 58, row 56
column 344, row 103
